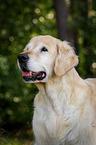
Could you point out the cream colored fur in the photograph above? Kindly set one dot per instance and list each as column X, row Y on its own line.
column 65, row 107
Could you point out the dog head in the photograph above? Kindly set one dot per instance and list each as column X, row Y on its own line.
column 44, row 56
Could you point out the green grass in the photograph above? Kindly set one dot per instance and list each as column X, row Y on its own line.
column 14, row 141
column 20, row 137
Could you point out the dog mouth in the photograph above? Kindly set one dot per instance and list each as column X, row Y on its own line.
column 33, row 76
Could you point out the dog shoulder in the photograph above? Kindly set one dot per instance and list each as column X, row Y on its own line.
column 92, row 84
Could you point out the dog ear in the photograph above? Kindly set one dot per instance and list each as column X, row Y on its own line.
column 66, row 58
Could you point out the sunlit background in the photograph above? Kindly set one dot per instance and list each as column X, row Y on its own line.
column 20, row 20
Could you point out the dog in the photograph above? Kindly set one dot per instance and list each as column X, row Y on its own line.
column 65, row 107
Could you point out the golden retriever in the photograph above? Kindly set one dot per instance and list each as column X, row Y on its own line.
column 65, row 107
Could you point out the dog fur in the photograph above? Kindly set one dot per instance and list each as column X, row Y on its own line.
column 65, row 107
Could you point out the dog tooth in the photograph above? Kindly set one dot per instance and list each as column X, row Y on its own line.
column 30, row 73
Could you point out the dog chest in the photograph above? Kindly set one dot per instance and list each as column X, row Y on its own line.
column 59, row 130
column 66, row 127
column 55, row 127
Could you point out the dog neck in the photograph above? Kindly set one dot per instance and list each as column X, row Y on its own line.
column 60, row 90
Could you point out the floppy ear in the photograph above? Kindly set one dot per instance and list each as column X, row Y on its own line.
column 66, row 58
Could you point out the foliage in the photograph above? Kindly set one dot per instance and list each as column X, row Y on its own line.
column 83, row 22
column 20, row 21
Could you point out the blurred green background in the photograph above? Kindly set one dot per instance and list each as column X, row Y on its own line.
column 20, row 20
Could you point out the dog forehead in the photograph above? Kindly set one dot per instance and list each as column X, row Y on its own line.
column 47, row 40
column 42, row 41
column 42, row 37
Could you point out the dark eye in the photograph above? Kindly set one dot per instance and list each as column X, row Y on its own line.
column 44, row 49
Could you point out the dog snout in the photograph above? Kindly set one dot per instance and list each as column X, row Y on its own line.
column 23, row 57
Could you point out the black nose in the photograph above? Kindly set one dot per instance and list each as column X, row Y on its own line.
column 23, row 57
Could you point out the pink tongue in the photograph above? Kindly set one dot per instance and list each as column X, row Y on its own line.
column 25, row 73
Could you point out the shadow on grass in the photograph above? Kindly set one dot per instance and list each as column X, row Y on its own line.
column 17, row 136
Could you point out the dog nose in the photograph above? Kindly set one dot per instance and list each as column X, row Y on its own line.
column 23, row 57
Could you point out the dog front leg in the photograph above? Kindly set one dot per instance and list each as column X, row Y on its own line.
column 40, row 140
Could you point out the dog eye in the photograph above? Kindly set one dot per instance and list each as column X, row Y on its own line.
column 44, row 49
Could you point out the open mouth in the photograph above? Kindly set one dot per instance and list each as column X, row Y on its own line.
column 33, row 76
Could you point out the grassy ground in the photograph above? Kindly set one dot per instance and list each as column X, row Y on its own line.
column 20, row 137
column 14, row 141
